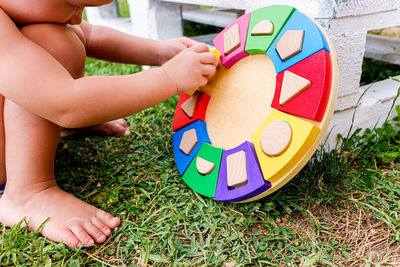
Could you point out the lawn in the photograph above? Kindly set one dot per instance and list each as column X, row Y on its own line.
column 342, row 209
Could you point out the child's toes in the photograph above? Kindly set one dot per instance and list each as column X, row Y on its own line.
column 108, row 219
column 69, row 239
column 102, row 226
column 94, row 232
column 81, row 233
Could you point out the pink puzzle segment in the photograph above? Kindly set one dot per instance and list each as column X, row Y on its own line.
column 236, row 55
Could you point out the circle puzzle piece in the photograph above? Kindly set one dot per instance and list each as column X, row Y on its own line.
column 261, row 118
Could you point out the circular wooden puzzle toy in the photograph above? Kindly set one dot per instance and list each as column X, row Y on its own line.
column 264, row 114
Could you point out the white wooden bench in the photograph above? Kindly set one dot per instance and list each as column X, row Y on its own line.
column 346, row 21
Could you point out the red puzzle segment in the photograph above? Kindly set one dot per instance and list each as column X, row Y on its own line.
column 239, row 53
column 180, row 117
column 312, row 102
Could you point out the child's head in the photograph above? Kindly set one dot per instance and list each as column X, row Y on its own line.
column 53, row 11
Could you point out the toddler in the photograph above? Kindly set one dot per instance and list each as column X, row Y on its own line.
column 43, row 45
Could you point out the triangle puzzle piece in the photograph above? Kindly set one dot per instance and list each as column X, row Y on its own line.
column 189, row 105
column 292, row 86
column 264, row 27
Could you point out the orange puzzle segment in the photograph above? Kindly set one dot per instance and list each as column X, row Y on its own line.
column 312, row 102
column 181, row 119
column 304, row 134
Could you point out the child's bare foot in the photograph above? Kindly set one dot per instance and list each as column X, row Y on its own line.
column 116, row 127
column 72, row 221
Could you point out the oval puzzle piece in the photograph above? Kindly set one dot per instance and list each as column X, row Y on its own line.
column 276, row 138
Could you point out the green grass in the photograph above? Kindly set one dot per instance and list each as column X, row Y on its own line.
column 324, row 216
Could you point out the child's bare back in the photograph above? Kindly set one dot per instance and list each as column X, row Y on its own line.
column 43, row 48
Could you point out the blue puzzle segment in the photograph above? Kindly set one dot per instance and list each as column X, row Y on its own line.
column 182, row 160
column 313, row 42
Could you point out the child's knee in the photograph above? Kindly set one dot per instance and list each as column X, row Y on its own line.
column 63, row 42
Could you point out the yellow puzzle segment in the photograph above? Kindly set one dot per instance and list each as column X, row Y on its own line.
column 216, row 53
column 304, row 135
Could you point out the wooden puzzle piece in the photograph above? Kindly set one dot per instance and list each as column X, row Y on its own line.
column 233, row 57
column 312, row 102
column 255, row 185
column 264, row 27
column 190, row 105
column 188, row 141
column 236, row 169
column 231, row 39
column 181, row 158
column 292, row 85
column 203, row 166
column 276, row 138
column 314, row 41
column 290, row 44
column 278, row 15
column 303, row 136
column 204, row 184
column 180, row 117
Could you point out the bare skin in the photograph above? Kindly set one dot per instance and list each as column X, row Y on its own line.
column 41, row 80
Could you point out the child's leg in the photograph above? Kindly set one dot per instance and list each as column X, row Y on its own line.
column 31, row 189
column 2, row 146
column 31, row 144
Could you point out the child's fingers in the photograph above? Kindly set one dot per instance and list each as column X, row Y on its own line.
column 209, row 58
column 208, row 69
column 187, row 42
column 200, row 48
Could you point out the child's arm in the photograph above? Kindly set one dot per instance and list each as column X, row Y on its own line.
column 30, row 77
column 111, row 45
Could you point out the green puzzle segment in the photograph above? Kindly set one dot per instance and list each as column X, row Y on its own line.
column 204, row 184
column 278, row 15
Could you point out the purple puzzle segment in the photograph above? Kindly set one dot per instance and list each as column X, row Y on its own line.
column 255, row 184
column 239, row 53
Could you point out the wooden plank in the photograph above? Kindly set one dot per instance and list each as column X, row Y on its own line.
column 383, row 48
column 209, row 16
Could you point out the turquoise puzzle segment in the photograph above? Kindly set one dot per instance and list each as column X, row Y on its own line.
column 313, row 42
column 182, row 160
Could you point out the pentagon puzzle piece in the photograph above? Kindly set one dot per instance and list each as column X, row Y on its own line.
column 228, row 60
column 312, row 102
column 181, row 119
column 313, row 41
column 303, row 136
column 236, row 169
column 188, row 141
column 292, row 86
column 290, row 44
column 264, row 27
column 276, row 138
column 203, row 166
column 204, row 184
column 278, row 16
column 181, row 158
column 256, row 184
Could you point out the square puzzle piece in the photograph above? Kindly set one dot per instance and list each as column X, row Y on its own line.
column 181, row 158
column 313, row 41
column 312, row 102
column 228, row 60
column 303, row 135
column 255, row 181
column 181, row 119
column 204, row 184
column 278, row 15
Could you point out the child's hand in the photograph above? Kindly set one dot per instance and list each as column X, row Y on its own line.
column 191, row 68
column 170, row 48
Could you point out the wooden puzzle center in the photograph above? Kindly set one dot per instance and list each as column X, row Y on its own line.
column 240, row 101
